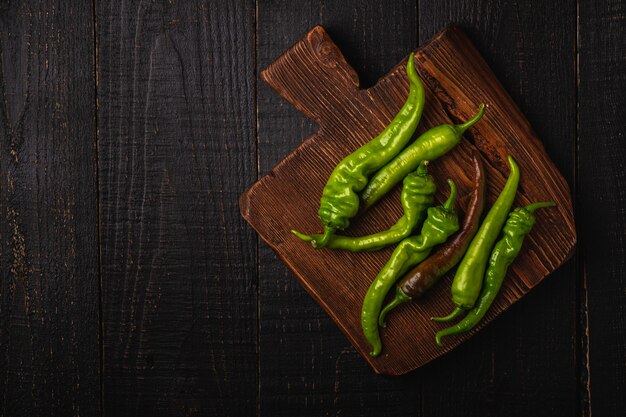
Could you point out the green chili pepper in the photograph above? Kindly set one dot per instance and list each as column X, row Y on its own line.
column 520, row 222
column 440, row 223
column 416, row 197
column 469, row 276
column 427, row 273
column 340, row 202
column 431, row 145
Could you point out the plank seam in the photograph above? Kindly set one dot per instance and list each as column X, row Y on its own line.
column 258, row 239
column 582, row 303
column 97, row 192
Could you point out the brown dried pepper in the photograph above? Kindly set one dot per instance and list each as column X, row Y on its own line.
column 427, row 273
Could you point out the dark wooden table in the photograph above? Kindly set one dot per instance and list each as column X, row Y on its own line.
column 130, row 285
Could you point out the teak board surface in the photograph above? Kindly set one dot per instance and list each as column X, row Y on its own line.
column 314, row 77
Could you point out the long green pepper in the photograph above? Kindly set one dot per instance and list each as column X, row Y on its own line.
column 340, row 202
column 469, row 275
column 430, row 145
column 441, row 222
column 520, row 222
column 417, row 195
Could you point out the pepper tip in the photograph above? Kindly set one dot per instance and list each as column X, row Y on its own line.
column 455, row 313
column 302, row 236
column 377, row 347
column 411, row 72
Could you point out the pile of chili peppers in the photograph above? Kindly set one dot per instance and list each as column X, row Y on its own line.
column 366, row 175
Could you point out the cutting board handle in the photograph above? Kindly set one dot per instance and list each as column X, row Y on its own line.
column 314, row 77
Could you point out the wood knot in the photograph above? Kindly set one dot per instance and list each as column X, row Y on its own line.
column 324, row 48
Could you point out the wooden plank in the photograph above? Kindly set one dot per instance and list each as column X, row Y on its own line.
column 307, row 366
column 602, row 197
column 49, row 354
column 526, row 362
column 449, row 64
column 177, row 146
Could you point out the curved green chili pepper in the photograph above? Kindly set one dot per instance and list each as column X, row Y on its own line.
column 431, row 145
column 416, row 197
column 469, row 276
column 427, row 273
column 441, row 222
column 340, row 202
column 520, row 222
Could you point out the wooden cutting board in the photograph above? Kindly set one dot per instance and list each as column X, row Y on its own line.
column 315, row 78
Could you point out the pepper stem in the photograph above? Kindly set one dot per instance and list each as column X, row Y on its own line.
column 463, row 127
column 323, row 240
column 455, row 313
column 450, row 201
column 400, row 298
column 422, row 169
column 534, row 206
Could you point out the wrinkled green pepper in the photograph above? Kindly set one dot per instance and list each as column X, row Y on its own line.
column 520, row 222
column 416, row 197
column 427, row 273
column 441, row 222
column 340, row 202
